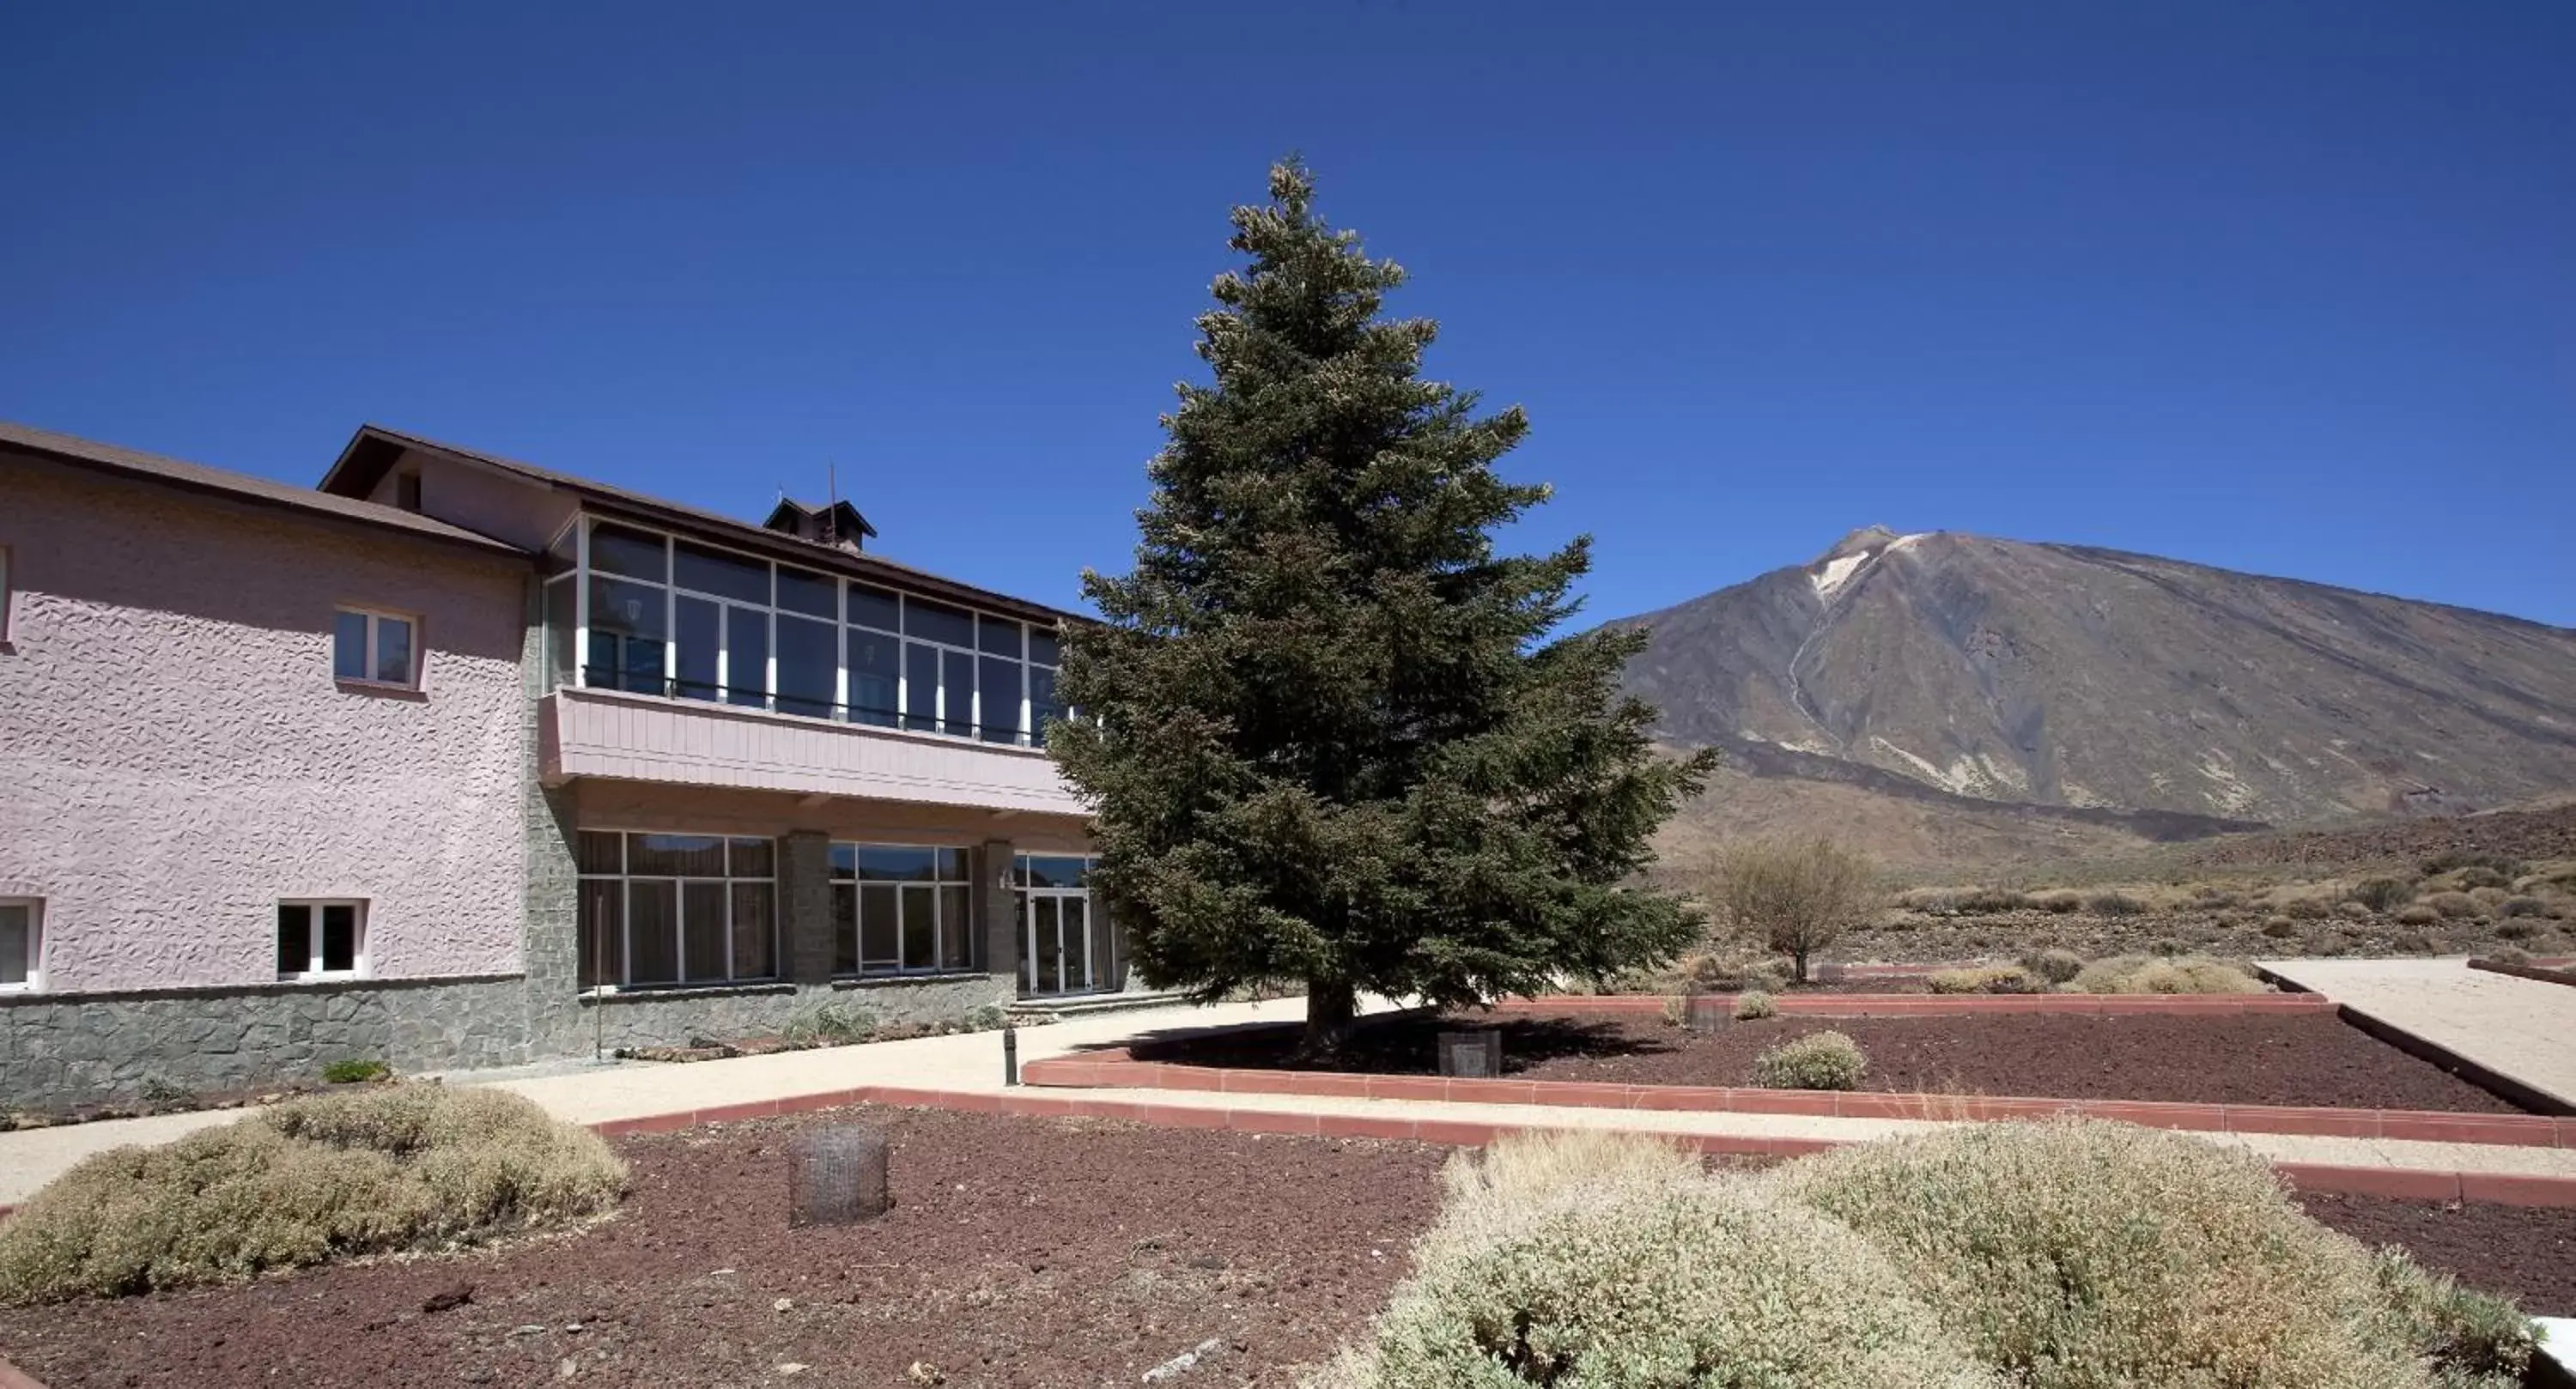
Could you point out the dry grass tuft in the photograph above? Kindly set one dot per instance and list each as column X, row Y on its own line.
column 314, row 1179
column 1817, row 1061
column 1985, row 979
column 2188, row 974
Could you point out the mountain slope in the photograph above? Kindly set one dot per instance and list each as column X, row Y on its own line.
column 2059, row 675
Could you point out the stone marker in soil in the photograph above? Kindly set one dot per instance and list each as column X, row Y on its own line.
column 836, row 1176
column 1477, row 1054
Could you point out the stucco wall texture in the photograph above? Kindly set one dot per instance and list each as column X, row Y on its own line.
column 179, row 757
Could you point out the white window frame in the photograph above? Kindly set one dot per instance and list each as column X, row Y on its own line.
column 1024, row 734
column 313, row 947
column 376, row 618
column 625, row 878
column 35, row 981
column 939, row 926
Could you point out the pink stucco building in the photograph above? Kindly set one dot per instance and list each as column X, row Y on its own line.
column 454, row 761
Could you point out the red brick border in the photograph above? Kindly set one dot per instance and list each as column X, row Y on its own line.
column 1831, row 1005
column 1116, row 1069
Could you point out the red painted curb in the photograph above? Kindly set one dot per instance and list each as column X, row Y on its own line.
column 1113, row 1068
column 1833, row 1005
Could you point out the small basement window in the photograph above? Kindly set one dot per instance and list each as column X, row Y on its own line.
column 22, row 943
column 321, row 939
column 375, row 648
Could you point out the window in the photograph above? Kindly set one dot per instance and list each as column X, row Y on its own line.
column 902, row 909
column 407, row 491
column 22, row 943
column 675, row 617
column 374, row 648
column 321, row 939
column 7, row 593
column 676, row 908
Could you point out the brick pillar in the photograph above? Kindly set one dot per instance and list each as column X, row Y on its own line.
column 997, row 906
column 805, row 901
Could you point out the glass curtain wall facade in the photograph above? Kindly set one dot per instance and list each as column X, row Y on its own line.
column 639, row 610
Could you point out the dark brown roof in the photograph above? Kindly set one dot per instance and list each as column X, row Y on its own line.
column 242, row 487
column 374, row 449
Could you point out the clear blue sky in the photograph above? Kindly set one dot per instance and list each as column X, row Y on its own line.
column 2284, row 288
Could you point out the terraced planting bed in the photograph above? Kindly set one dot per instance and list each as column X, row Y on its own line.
column 2306, row 1058
column 1020, row 1252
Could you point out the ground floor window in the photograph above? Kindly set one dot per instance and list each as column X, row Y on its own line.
column 22, row 943
column 902, row 909
column 677, row 908
column 318, row 939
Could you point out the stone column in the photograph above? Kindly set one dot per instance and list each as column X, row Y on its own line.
column 805, row 905
column 997, row 906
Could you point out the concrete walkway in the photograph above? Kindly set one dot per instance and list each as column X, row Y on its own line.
column 971, row 1065
column 592, row 1094
column 2520, row 1029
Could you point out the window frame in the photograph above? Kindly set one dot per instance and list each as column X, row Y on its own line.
column 8, row 594
column 315, row 949
column 1025, row 727
column 967, row 859
column 35, row 962
column 626, row 878
column 376, row 618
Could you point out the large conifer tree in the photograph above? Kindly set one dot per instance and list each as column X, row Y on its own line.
column 1327, row 733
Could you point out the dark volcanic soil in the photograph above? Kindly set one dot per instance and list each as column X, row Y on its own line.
column 2523, row 1252
column 1019, row 1252
column 2246, row 1059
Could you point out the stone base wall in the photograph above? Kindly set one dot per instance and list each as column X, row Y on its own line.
column 58, row 1051
column 680, row 1017
column 62, row 1050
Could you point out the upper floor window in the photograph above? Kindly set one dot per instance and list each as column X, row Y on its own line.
column 407, row 490
column 321, row 939
column 667, row 616
column 375, row 648
column 22, row 943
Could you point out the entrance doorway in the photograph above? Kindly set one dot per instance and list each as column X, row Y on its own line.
column 1065, row 947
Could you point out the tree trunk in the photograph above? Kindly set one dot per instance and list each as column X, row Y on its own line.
column 1800, row 957
column 1332, row 1006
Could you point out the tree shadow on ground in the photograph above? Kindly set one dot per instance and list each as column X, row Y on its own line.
column 1406, row 1044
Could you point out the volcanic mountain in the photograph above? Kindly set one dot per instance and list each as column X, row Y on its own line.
column 2084, row 684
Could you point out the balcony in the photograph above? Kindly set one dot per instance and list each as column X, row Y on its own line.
column 622, row 736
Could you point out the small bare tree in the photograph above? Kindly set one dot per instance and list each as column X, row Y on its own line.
column 1796, row 896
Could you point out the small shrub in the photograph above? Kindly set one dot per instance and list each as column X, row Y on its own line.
column 2413, row 943
column 2452, row 906
column 1754, row 1005
column 2516, row 928
column 1931, row 901
column 829, row 1025
column 1649, row 1277
column 160, row 1092
column 2354, row 911
column 2083, row 1255
column 2058, row 903
column 313, row 1179
column 2489, row 899
column 1677, row 1010
column 2383, row 894
column 1727, row 974
column 2280, row 928
column 2306, row 908
column 1985, row 979
column 354, row 1071
column 2464, row 858
column 2114, row 904
column 1817, row 1061
column 985, row 1017
column 2521, row 906
column 2508, row 955
column 2479, row 876
column 2418, row 914
column 1984, row 900
column 2165, row 946
column 2133, row 974
column 2055, row 966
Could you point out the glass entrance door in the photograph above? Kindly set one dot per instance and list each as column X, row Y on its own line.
column 1056, row 958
